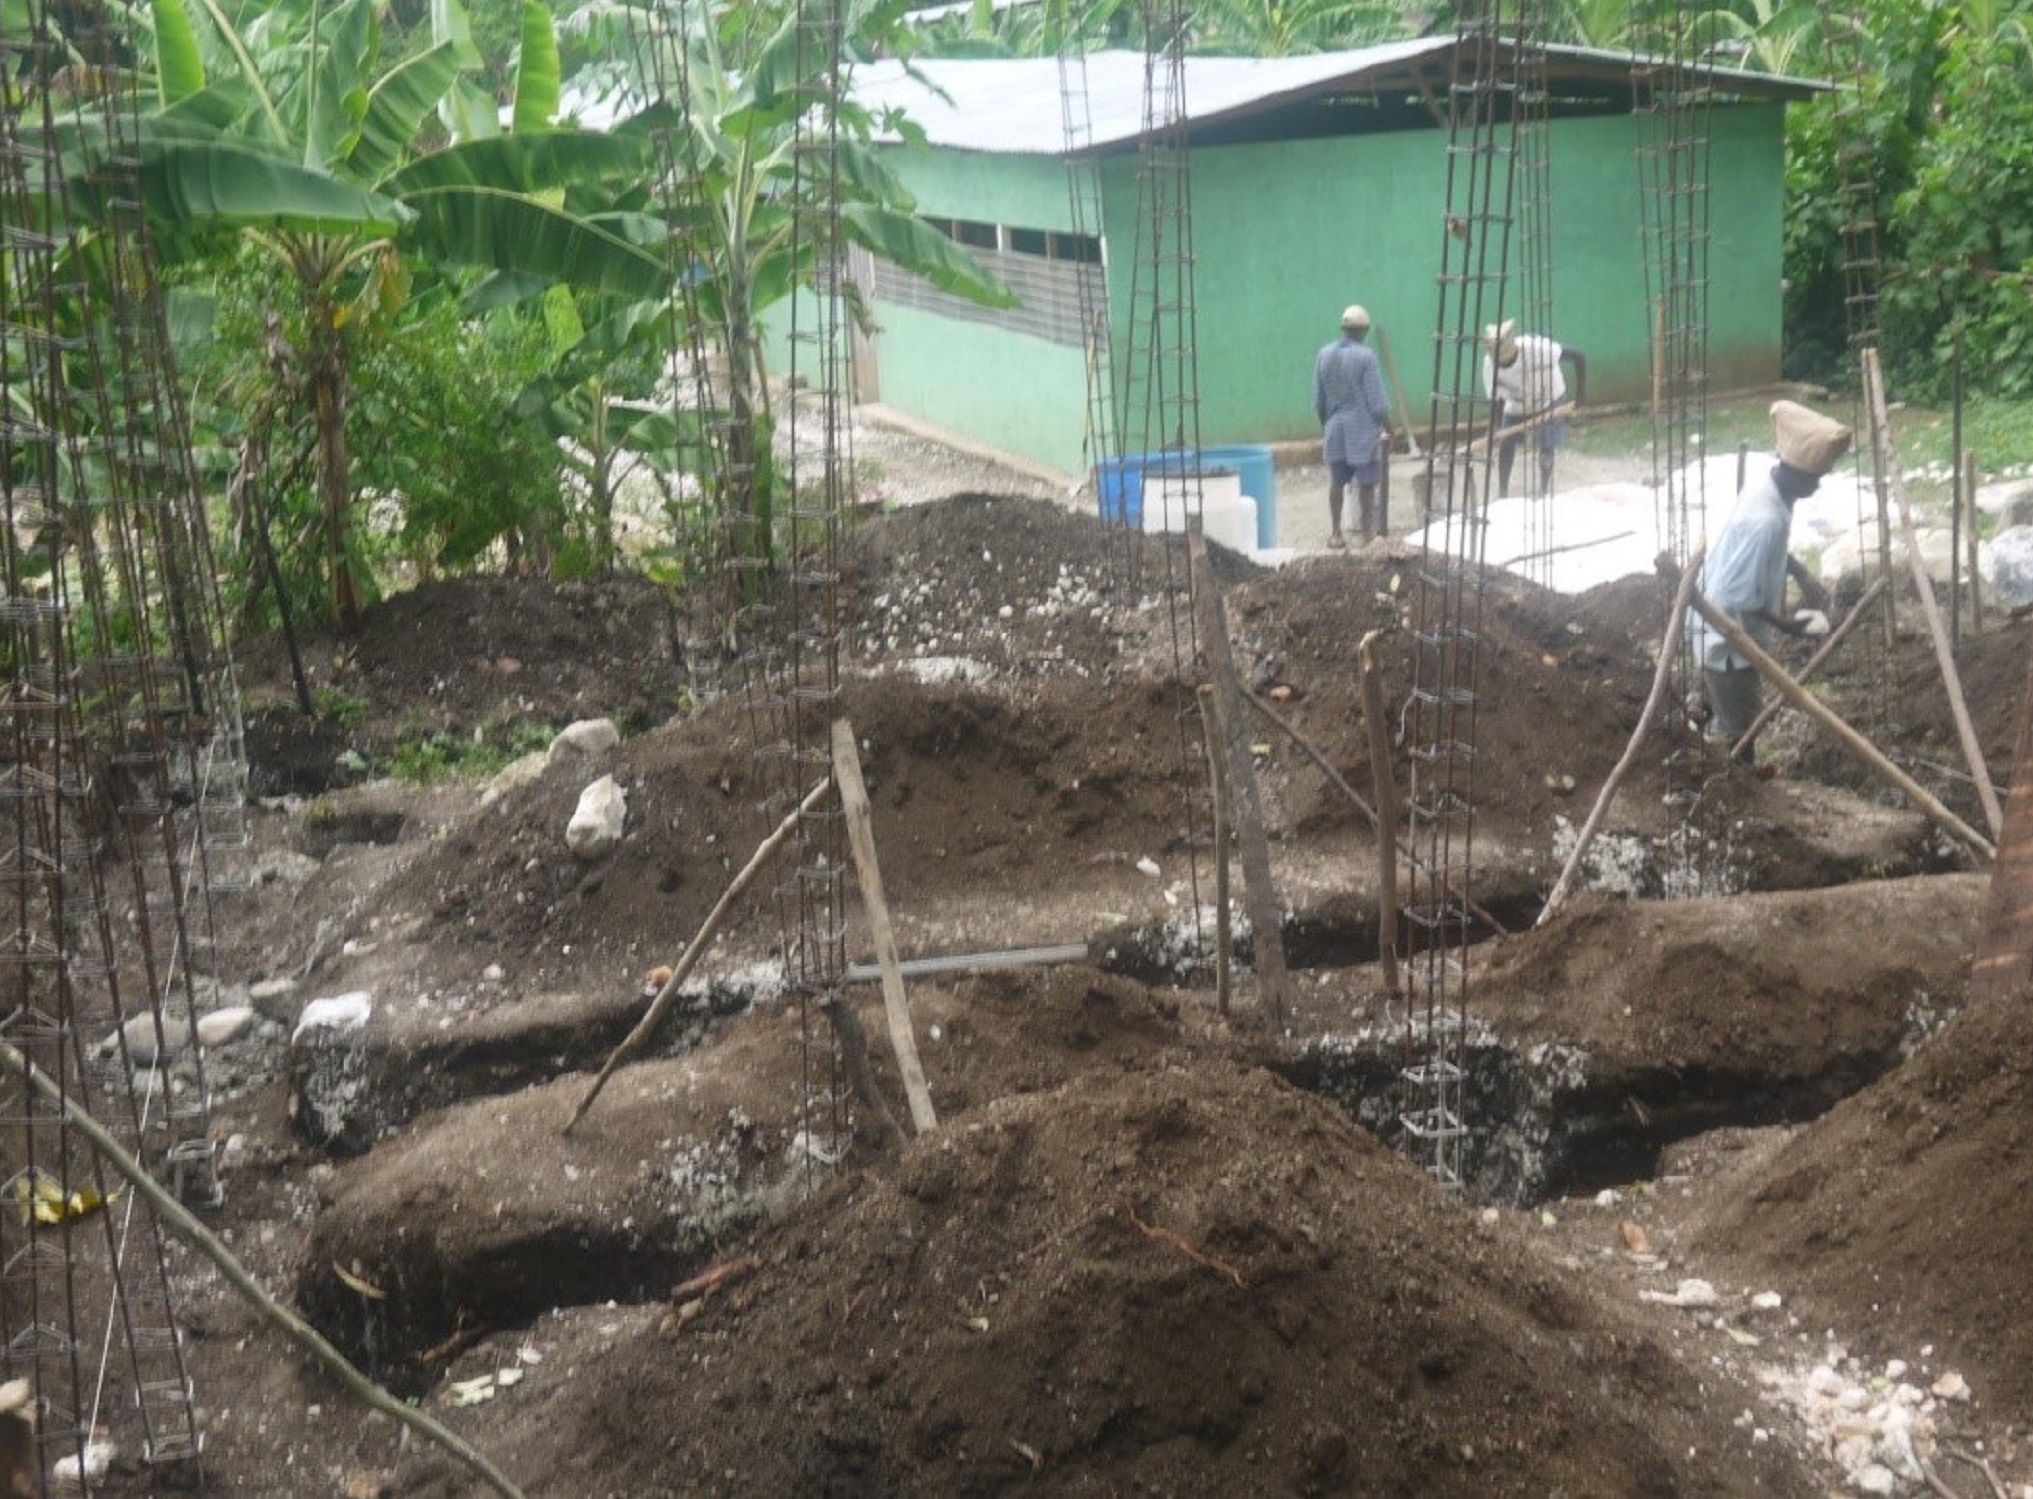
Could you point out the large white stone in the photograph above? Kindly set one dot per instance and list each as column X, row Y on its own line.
column 340, row 1012
column 2011, row 500
column 597, row 822
column 2006, row 562
column 585, row 739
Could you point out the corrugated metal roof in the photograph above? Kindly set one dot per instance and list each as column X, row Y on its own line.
column 1014, row 106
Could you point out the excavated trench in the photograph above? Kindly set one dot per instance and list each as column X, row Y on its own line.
column 1547, row 1119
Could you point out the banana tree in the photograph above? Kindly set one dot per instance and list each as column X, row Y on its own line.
column 739, row 203
column 285, row 130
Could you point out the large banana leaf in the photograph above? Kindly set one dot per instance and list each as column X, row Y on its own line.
column 537, row 75
column 520, row 163
column 502, row 230
column 347, row 45
column 397, row 107
column 195, row 183
column 179, row 65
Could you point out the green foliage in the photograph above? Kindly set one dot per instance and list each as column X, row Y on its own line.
column 338, row 706
column 437, row 754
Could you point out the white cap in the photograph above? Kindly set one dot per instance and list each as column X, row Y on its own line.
column 1502, row 340
column 1355, row 315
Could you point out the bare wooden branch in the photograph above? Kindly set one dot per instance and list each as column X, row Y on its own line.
column 666, row 996
column 1944, row 652
column 1662, row 678
column 1814, row 663
column 1258, row 889
column 237, row 1275
column 1387, row 811
column 1313, row 752
column 896, row 1005
column 1210, row 728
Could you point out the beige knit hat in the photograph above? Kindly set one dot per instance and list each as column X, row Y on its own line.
column 1502, row 340
column 1355, row 315
column 1806, row 439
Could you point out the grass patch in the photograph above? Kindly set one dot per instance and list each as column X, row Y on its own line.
column 440, row 754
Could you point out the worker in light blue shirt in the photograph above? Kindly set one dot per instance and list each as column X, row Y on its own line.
column 1348, row 398
column 1744, row 575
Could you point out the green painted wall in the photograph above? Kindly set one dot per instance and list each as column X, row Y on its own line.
column 1286, row 234
column 1019, row 394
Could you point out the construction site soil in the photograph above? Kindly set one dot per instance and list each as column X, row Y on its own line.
column 1146, row 1249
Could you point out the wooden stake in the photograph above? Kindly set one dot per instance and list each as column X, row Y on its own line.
column 1976, row 582
column 1662, row 678
column 2004, row 959
column 1210, row 729
column 1340, row 783
column 1822, row 714
column 1398, row 389
column 1258, row 891
column 294, row 1327
column 1814, row 662
column 1387, row 811
column 666, row 996
column 861, row 838
column 1944, row 653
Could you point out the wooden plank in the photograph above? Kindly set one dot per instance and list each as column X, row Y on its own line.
column 1258, row 891
column 1387, row 811
column 2004, row 961
column 861, row 838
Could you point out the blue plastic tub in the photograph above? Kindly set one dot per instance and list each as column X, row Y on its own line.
column 1120, row 481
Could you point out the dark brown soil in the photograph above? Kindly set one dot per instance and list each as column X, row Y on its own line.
column 1131, row 1260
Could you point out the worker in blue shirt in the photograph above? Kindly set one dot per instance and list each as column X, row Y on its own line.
column 1348, row 398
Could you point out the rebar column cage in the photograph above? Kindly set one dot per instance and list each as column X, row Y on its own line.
column 122, row 764
column 1159, row 411
column 1488, row 111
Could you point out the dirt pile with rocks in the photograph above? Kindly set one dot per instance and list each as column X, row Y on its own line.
column 1132, row 1257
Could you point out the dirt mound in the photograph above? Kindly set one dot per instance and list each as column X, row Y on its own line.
column 1176, row 1276
column 1916, row 1194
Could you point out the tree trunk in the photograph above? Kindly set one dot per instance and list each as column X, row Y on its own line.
column 335, row 465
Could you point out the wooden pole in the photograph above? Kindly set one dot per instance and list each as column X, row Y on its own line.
column 1976, row 582
column 294, row 1327
column 1398, row 389
column 666, row 996
column 2004, row 957
column 1822, row 714
column 1265, row 920
column 1814, row 662
column 1944, row 653
column 1210, row 729
column 895, row 1004
column 1386, row 788
column 1662, row 678
column 1955, row 501
column 1340, row 783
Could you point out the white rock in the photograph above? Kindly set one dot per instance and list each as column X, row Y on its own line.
column 493, row 973
column 585, row 739
column 595, row 828
column 270, row 989
column 88, row 1466
column 341, row 1012
column 1874, row 1478
column 1148, row 865
column 1690, row 1292
column 1951, row 1386
column 1766, row 1301
column 145, row 1047
column 2006, row 562
column 224, row 1026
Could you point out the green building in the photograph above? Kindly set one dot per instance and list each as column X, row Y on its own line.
column 1313, row 182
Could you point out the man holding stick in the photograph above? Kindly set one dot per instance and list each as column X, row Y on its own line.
column 1745, row 573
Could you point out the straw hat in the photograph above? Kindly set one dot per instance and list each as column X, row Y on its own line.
column 1806, row 439
column 1355, row 315
column 1502, row 340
